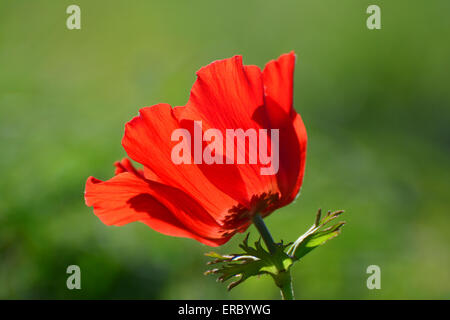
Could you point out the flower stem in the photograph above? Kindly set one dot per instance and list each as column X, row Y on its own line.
column 264, row 232
column 283, row 279
column 287, row 291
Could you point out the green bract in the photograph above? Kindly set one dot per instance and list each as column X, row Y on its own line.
column 257, row 260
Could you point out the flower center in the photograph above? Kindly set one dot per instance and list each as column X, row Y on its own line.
column 240, row 216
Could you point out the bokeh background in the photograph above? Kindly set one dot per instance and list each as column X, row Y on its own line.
column 376, row 104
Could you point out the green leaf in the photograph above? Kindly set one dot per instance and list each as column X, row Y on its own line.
column 253, row 261
column 317, row 235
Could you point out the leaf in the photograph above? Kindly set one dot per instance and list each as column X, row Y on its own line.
column 317, row 235
column 253, row 261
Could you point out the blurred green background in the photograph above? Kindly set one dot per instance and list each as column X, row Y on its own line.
column 376, row 104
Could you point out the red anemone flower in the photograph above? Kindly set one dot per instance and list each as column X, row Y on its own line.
column 207, row 202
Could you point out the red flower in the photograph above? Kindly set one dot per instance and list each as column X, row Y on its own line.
column 207, row 202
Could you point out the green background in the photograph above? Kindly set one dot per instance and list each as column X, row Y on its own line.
column 375, row 104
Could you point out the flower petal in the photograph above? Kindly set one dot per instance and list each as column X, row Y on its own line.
column 229, row 95
column 147, row 140
column 125, row 165
column 127, row 198
column 293, row 142
column 278, row 90
column 226, row 94
column 278, row 82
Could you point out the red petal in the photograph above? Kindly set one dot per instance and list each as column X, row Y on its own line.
column 278, row 82
column 127, row 198
column 125, row 165
column 147, row 140
column 278, row 87
column 293, row 142
column 228, row 95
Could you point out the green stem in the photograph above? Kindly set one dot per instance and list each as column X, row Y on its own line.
column 287, row 292
column 283, row 279
column 264, row 232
